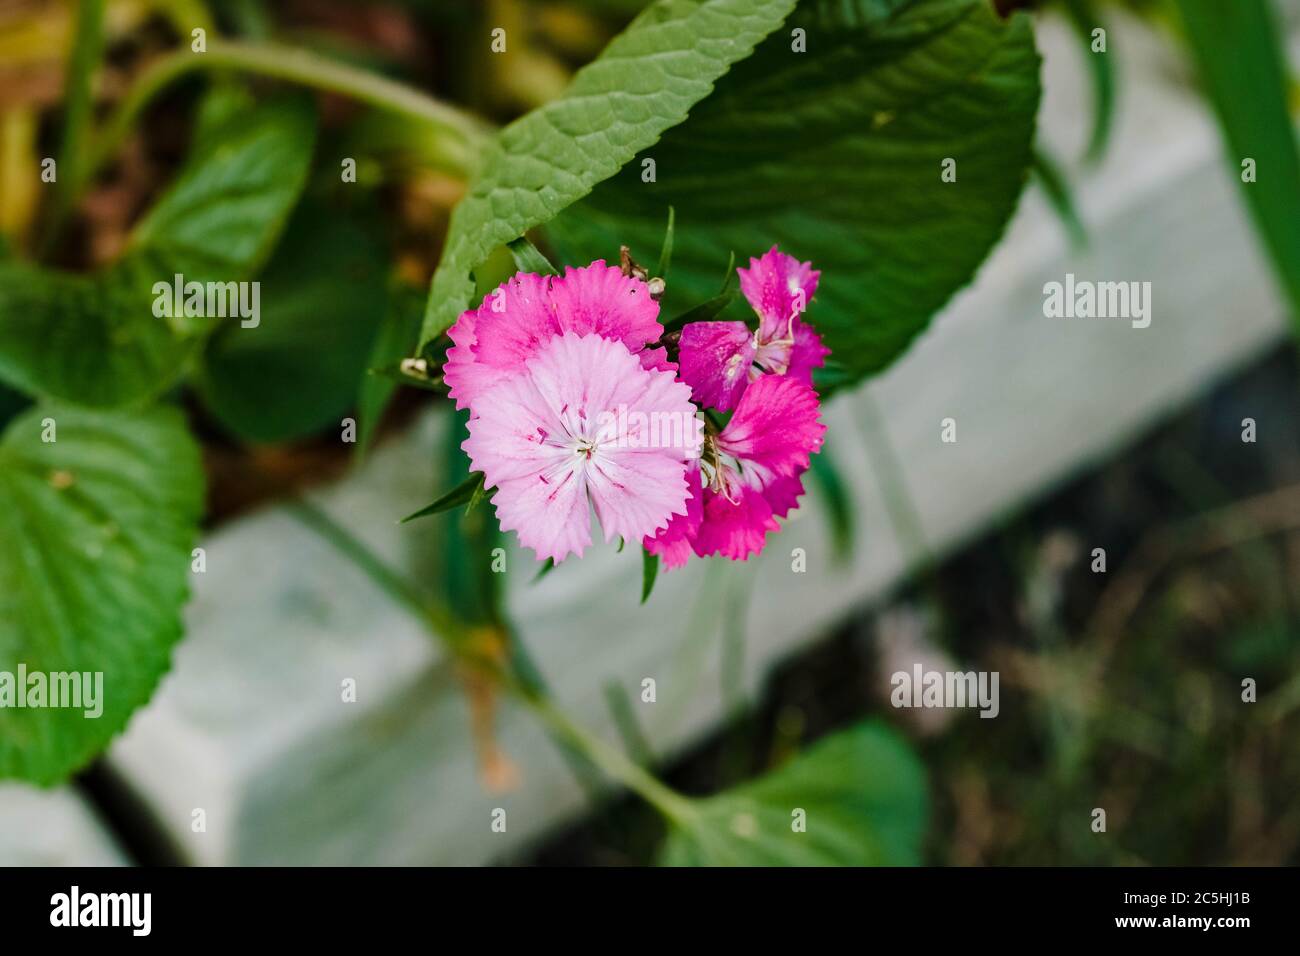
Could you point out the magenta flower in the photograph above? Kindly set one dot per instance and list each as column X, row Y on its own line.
column 528, row 310
column 749, row 476
column 718, row 359
column 576, row 408
column 674, row 543
column 580, row 423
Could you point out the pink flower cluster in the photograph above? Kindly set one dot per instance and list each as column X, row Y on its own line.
column 575, row 406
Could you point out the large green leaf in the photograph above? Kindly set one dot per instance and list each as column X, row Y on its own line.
column 323, row 296
column 224, row 212
column 90, row 339
column 95, row 339
column 642, row 84
column 96, row 529
column 836, row 155
column 863, row 795
column 1242, row 63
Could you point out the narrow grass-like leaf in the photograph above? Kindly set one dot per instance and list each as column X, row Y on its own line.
column 1239, row 55
column 1084, row 18
column 629, row 729
column 529, row 258
column 666, row 250
column 547, row 567
column 461, row 494
column 729, row 275
column 649, row 571
column 835, row 496
column 78, row 103
column 1057, row 189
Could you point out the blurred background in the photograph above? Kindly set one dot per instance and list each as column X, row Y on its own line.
column 1120, row 688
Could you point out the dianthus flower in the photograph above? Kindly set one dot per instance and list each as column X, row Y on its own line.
column 529, row 310
column 575, row 407
column 718, row 359
column 582, row 424
column 749, row 474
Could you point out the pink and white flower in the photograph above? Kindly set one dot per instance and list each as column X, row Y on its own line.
column 550, row 436
column 527, row 311
column 575, row 408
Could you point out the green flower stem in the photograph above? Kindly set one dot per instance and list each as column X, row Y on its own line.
column 629, row 728
column 388, row 580
column 904, row 516
column 613, row 762
column 900, row 507
column 297, row 66
column 532, row 693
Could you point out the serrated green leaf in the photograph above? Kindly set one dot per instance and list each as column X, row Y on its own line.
column 95, row 339
column 96, row 529
column 863, row 795
column 227, row 97
column 323, row 297
column 223, row 214
column 644, row 83
column 836, row 155
column 90, row 339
